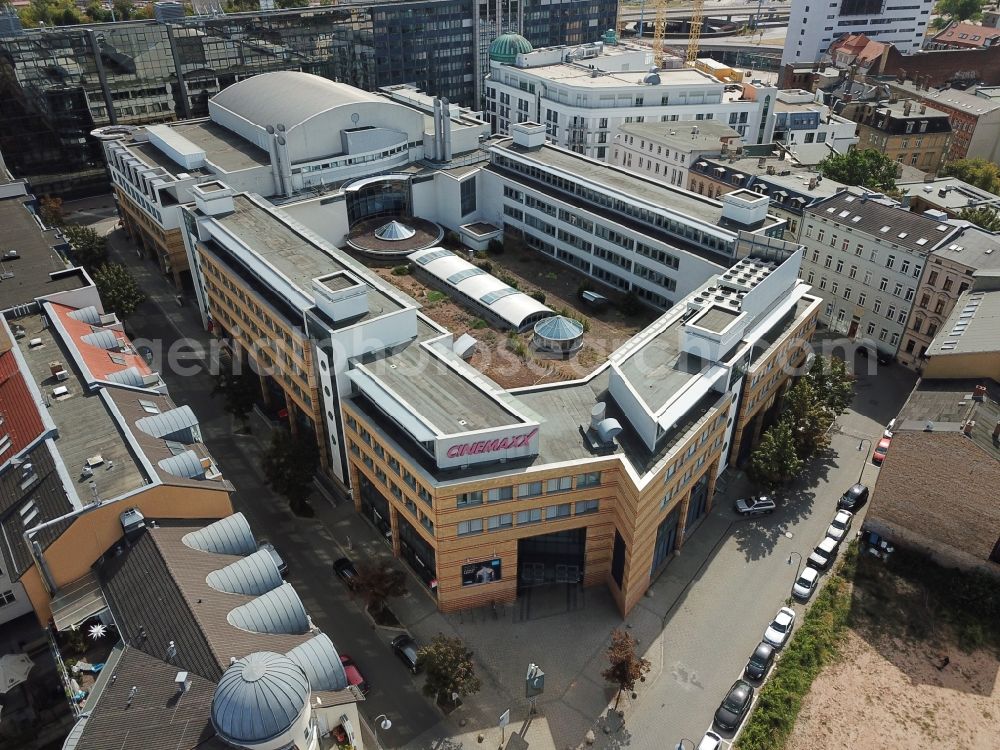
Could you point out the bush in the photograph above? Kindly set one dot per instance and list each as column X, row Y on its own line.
column 515, row 345
column 486, row 266
column 403, row 270
column 495, row 247
column 537, row 294
column 478, row 324
column 630, row 304
column 434, row 296
column 509, row 280
column 480, row 254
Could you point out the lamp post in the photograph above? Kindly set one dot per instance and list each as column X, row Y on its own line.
column 798, row 565
column 865, row 461
column 680, row 745
column 381, row 721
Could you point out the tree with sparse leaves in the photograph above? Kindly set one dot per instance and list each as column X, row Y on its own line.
column 625, row 666
column 979, row 172
column 775, row 461
column 448, row 667
column 985, row 218
column 867, row 168
column 809, row 417
column 831, row 381
column 380, row 582
column 118, row 289
column 50, row 210
column 87, row 248
column 289, row 466
column 240, row 391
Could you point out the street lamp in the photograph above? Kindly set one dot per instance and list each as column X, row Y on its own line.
column 382, row 721
column 865, row 461
column 798, row 565
column 680, row 745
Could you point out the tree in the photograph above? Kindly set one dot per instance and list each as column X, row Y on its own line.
column 51, row 211
column 809, row 418
column 240, row 390
column 831, row 381
column 448, row 667
column 292, row 3
column 380, row 582
column 88, row 248
column 625, row 666
column 775, row 461
column 959, row 10
column 986, row 218
column 118, row 289
column 869, row 168
column 289, row 466
column 979, row 172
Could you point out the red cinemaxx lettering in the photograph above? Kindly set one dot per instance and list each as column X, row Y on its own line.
column 490, row 446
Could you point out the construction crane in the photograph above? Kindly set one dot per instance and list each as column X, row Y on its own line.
column 694, row 37
column 694, row 34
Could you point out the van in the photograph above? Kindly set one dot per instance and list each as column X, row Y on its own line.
column 824, row 554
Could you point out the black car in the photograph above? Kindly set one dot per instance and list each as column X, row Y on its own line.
column 345, row 569
column 735, row 705
column 760, row 661
column 405, row 648
column 854, row 498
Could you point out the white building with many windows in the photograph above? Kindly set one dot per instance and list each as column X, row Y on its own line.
column 864, row 256
column 583, row 94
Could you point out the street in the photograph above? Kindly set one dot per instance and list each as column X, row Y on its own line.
column 697, row 625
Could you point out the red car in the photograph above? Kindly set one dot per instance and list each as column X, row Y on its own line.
column 354, row 676
column 880, row 450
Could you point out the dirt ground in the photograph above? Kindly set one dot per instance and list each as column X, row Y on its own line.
column 495, row 355
column 888, row 692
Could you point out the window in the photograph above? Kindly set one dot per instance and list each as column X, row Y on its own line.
column 529, row 489
column 499, row 494
column 883, row 284
column 503, row 521
column 891, row 312
column 810, row 277
column 862, row 298
column 557, row 511
column 853, row 272
column 858, row 249
column 877, row 306
column 819, row 237
column 897, row 290
column 932, row 329
column 591, row 479
column 904, row 267
column 828, row 262
column 562, row 484
column 847, row 293
column 468, row 195
column 871, row 328
column 529, row 516
column 470, row 498
column 7, row 597
column 925, row 299
column 475, row 526
column 840, row 266
column 834, row 287
column 882, row 334
column 947, row 284
column 932, row 279
column 894, row 339
column 587, row 506
column 868, row 277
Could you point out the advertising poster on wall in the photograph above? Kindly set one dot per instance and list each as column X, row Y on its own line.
column 485, row 571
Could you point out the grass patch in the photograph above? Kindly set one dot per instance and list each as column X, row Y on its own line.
column 814, row 644
column 435, row 296
column 478, row 323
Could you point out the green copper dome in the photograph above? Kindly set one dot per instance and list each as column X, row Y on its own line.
column 507, row 47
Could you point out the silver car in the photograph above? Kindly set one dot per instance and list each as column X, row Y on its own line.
column 805, row 584
column 755, row 506
column 823, row 555
column 841, row 525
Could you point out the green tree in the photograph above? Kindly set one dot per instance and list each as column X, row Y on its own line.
column 959, row 10
column 448, row 667
column 380, row 582
column 775, row 461
column 292, row 3
column 124, row 10
column 869, row 168
column 830, row 379
column 118, row 289
column 87, row 248
column 289, row 466
column 240, row 391
column 986, row 218
column 809, row 417
column 979, row 172
column 625, row 666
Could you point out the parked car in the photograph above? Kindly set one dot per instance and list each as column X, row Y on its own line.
column 346, row 571
column 711, row 741
column 755, row 506
column 354, row 676
column 405, row 648
column 735, row 705
column 780, row 629
column 840, row 526
column 823, row 554
column 854, row 498
column 880, row 450
column 279, row 561
column 805, row 584
column 760, row 661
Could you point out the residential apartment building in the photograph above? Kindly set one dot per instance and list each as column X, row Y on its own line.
column 813, row 26
column 865, row 257
column 912, row 134
column 583, row 94
column 808, row 130
column 666, row 150
column 966, row 346
column 948, row 194
column 964, row 35
column 949, row 272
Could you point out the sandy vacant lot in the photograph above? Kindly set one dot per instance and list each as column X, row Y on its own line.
column 889, row 693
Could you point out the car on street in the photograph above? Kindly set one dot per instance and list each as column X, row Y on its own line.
column 854, row 498
column 840, row 526
column 780, row 629
column 805, row 584
column 755, row 506
column 760, row 661
column 405, row 648
column 346, row 571
column 880, row 450
column 711, row 741
column 735, row 706
column 824, row 553
column 354, row 676
column 279, row 562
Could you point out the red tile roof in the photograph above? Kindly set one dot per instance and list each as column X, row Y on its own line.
column 20, row 421
column 98, row 360
column 967, row 35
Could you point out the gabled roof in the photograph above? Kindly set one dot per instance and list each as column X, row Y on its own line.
column 965, row 34
column 20, row 421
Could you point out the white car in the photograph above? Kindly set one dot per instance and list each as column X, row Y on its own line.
column 824, row 554
column 805, row 584
column 780, row 629
column 711, row 741
column 841, row 525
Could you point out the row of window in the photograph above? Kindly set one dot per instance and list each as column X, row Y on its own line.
column 528, row 489
column 408, row 478
column 525, row 517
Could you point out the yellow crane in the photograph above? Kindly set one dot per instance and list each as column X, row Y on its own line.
column 697, row 17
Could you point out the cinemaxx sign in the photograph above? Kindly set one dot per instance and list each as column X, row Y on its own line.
column 478, row 447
